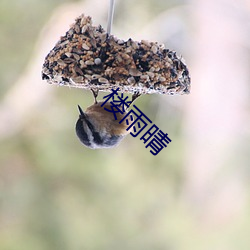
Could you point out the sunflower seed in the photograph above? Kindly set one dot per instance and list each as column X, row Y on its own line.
column 77, row 57
column 77, row 79
column 135, row 45
column 69, row 60
column 154, row 49
column 64, row 43
column 134, row 72
column 144, row 78
column 88, row 77
column 61, row 62
column 77, row 29
column 103, row 80
column 120, row 42
column 88, row 62
column 145, row 42
column 78, row 70
column 131, row 80
column 150, row 74
column 95, row 76
column 68, row 54
column 84, row 29
column 85, row 46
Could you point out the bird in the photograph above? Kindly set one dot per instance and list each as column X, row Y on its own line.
column 97, row 128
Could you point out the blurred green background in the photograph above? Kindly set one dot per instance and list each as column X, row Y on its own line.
column 57, row 194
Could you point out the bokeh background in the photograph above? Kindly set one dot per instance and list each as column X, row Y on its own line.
column 57, row 194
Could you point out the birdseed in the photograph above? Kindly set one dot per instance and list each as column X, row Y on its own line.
column 88, row 57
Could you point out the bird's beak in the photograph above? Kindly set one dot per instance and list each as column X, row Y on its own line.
column 82, row 115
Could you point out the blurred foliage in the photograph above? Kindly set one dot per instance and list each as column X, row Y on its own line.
column 20, row 24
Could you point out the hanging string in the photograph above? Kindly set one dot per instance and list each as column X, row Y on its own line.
column 110, row 16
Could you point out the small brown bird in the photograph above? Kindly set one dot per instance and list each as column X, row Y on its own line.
column 98, row 128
